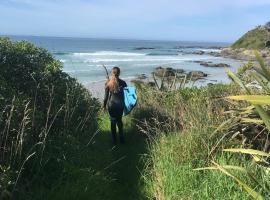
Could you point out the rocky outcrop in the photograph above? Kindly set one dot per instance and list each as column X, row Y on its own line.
column 214, row 53
column 197, row 47
column 198, row 52
column 197, row 75
column 170, row 75
column 210, row 64
column 142, row 76
column 170, row 72
column 245, row 54
column 160, row 71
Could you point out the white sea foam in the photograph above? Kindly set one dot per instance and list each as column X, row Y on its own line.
column 144, row 59
column 108, row 53
column 80, row 71
column 116, row 56
column 209, row 50
column 62, row 60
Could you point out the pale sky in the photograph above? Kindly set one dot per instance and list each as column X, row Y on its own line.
column 192, row 20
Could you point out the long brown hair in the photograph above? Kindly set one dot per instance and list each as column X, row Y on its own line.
column 113, row 83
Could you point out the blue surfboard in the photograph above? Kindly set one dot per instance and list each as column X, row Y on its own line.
column 130, row 98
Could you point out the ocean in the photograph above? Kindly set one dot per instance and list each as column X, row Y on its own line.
column 83, row 58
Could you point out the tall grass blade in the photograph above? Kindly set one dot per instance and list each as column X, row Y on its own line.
column 224, row 166
column 223, row 126
column 247, row 188
column 262, row 81
column 254, row 99
column 237, row 80
column 249, row 120
column 265, row 117
column 266, row 71
column 248, row 151
column 248, row 110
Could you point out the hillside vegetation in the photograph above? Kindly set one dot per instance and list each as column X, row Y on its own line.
column 257, row 38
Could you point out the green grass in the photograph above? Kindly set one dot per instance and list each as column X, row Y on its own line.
column 105, row 172
column 171, row 176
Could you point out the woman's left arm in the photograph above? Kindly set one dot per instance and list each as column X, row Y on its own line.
column 106, row 96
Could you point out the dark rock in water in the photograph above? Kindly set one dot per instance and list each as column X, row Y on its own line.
column 163, row 54
column 215, row 47
column 197, row 75
column 160, row 71
column 210, row 64
column 180, row 73
column 168, row 72
column 143, row 48
column 142, row 76
column 215, row 54
column 197, row 47
column 219, row 65
column 60, row 53
column 198, row 52
column 203, row 62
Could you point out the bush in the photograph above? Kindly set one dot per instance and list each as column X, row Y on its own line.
column 44, row 115
column 187, row 108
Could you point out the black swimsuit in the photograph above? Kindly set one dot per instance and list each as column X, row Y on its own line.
column 115, row 100
column 116, row 107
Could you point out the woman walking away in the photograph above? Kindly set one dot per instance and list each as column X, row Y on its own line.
column 114, row 97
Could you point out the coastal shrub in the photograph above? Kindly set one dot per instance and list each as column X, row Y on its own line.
column 45, row 117
column 182, row 109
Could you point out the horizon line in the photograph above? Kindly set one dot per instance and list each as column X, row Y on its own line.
column 116, row 38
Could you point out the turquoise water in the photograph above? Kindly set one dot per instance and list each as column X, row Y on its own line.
column 83, row 58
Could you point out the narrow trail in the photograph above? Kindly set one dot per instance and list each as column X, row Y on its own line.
column 107, row 172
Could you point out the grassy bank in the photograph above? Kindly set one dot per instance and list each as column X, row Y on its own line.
column 181, row 126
